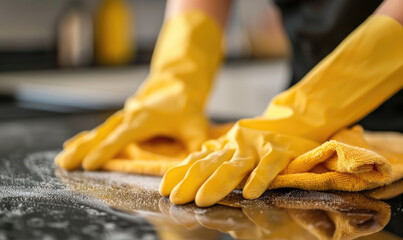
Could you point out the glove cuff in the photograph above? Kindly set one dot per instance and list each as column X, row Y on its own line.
column 359, row 75
column 188, row 53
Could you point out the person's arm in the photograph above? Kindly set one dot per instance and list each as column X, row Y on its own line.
column 219, row 10
column 358, row 76
column 171, row 101
column 392, row 8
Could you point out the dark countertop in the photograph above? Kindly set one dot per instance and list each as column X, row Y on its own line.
column 39, row 201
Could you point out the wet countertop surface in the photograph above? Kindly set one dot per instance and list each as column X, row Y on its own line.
column 40, row 201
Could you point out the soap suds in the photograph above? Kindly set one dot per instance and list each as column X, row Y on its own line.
column 51, row 202
column 34, row 203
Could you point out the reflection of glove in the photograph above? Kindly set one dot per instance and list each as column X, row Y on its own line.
column 209, row 178
column 326, row 215
column 351, row 216
column 336, row 93
column 171, row 101
column 257, row 220
column 287, row 214
column 278, row 214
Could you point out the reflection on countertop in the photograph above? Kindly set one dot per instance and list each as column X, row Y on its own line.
column 284, row 214
column 38, row 200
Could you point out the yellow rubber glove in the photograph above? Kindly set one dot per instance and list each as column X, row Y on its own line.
column 360, row 74
column 209, row 175
column 171, row 101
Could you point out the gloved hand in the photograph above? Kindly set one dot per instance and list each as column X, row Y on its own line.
column 337, row 92
column 209, row 175
column 171, row 101
column 358, row 76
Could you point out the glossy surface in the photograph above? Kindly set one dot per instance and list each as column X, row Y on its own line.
column 39, row 201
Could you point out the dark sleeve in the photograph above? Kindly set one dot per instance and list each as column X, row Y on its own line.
column 315, row 28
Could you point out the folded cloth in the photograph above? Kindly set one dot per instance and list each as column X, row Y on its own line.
column 352, row 160
column 390, row 146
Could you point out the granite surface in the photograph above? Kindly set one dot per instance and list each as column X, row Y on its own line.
column 40, row 201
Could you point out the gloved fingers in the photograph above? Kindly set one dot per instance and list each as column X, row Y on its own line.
column 128, row 152
column 180, row 214
column 224, row 180
column 175, row 174
column 75, row 139
column 185, row 215
column 198, row 173
column 222, row 218
column 267, row 217
column 268, row 168
column 110, row 146
column 164, row 205
column 71, row 158
column 71, row 143
column 77, row 147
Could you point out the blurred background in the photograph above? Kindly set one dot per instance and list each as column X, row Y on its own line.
column 73, row 56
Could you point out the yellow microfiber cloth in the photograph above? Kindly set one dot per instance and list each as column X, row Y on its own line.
column 156, row 156
column 153, row 157
column 352, row 160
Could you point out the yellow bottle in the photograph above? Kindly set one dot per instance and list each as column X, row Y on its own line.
column 114, row 44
